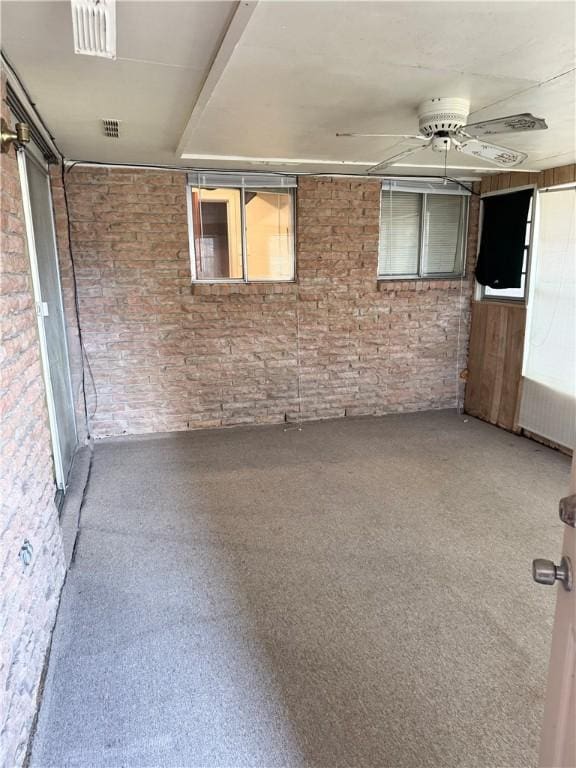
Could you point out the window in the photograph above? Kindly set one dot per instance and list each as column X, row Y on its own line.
column 422, row 229
column 241, row 227
column 517, row 294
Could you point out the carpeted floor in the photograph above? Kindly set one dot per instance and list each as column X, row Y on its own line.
column 355, row 594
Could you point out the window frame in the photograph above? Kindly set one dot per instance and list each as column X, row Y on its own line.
column 419, row 187
column 194, row 181
column 481, row 294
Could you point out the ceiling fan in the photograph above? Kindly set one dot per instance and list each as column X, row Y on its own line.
column 442, row 126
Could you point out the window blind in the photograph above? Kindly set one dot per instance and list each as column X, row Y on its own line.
column 431, row 186
column 399, row 233
column 548, row 406
column 237, row 180
column 444, row 226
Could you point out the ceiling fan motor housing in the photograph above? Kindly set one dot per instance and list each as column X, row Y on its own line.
column 444, row 116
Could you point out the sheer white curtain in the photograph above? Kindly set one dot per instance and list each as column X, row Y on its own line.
column 548, row 406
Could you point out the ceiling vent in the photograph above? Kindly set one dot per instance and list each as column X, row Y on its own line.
column 94, row 23
column 111, row 128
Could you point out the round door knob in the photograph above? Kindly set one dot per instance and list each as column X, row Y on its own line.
column 545, row 572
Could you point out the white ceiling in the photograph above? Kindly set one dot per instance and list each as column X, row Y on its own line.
column 280, row 81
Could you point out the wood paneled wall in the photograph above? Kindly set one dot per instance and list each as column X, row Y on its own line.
column 495, row 362
column 564, row 174
column 497, row 328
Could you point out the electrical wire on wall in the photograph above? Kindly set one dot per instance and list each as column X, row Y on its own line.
column 83, row 353
column 459, row 404
column 298, row 423
column 459, row 370
column 457, row 373
column 280, row 174
column 460, row 373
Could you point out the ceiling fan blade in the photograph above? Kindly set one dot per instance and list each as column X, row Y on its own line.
column 379, row 135
column 394, row 159
column 503, row 156
column 511, row 124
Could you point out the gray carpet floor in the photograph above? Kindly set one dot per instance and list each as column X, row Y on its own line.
column 354, row 594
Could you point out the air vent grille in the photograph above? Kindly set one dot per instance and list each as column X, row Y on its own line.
column 111, row 128
column 94, row 23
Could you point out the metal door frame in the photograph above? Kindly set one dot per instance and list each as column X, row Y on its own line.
column 59, row 471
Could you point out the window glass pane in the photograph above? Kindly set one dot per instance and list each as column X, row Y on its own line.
column 399, row 233
column 217, row 233
column 269, row 234
column 443, row 235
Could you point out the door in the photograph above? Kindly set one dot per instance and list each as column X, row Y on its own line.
column 558, row 741
column 41, row 239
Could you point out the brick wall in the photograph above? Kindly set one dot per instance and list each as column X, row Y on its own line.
column 168, row 356
column 29, row 595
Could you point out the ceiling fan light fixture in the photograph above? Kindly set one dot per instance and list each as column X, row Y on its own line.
column 441, row 143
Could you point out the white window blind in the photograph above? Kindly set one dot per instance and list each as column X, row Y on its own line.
column 442, row 249
column 251, row 180
column 548, row 406
column 425, row 186
column 399, row 233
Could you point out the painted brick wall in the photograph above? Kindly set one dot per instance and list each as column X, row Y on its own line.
column 168, row 356
column 28, row 595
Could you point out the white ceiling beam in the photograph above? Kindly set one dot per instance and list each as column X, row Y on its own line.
column 248, row 160
column 232, row 36
column 263, row 160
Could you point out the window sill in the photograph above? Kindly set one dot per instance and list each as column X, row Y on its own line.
column 416, row 278
column 504, row 301
column 421, row 283
column 227, row 288
column 242, row 282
